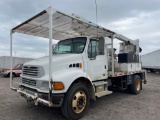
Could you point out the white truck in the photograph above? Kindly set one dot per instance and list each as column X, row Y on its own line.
column 81, row 67
column 151, row 61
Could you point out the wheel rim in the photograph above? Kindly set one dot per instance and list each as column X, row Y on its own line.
column 13, row 75
column 138, row 84
column 79, row 102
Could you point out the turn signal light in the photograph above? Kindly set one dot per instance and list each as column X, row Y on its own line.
column 80, row 65
column 58, row 86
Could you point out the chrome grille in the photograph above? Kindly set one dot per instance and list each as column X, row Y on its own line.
column 31, row 71
column 29, row 82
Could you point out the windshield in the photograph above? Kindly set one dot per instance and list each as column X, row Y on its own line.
column 73, row 45
column 18, row 66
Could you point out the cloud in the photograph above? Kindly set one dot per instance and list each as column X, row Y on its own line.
column 138, row 19
column 142, row 27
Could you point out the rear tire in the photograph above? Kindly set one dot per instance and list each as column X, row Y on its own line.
column 76, row 102
column 136, row 86
column 13, row 75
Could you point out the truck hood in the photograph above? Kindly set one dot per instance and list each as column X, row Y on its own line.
column 12, row 68
column 59, row 61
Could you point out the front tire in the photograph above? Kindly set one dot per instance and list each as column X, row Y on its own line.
column 76, row 102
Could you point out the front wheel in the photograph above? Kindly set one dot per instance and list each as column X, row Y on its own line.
column 76, row 102
column 13, row 75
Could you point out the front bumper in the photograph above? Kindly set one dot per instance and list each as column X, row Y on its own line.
column 38, row 97
column 4, row 74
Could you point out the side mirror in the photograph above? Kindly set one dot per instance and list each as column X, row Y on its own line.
column 101, row 46
column 93, row 56
column 94, row 51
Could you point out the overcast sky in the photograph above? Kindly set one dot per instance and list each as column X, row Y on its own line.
column 136, row 19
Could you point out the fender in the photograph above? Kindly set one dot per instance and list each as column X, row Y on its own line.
column 67, row 77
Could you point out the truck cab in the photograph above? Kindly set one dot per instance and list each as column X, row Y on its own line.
column 73, row 59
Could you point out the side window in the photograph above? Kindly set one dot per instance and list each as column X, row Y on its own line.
column 96, row 47
column 93, row 48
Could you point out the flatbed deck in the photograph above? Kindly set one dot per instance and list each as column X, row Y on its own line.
column 120, row 73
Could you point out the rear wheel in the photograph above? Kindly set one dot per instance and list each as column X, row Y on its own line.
column 76, row 102
column 135, row 88
column 13, row 75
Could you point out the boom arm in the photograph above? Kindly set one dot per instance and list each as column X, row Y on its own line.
column 128, row 41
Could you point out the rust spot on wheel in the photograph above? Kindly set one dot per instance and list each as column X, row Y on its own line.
column 79, row 102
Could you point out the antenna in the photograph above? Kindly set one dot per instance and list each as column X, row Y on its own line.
column 96, row 16
column 15, row 53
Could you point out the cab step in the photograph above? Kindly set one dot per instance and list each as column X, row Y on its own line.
column 103, row 93
column 101, row 88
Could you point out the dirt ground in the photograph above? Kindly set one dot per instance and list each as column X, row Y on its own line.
column 117, row 106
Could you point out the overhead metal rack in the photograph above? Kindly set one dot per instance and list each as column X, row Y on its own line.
column 63, row 26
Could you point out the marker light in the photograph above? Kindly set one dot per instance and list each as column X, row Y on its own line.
column 58, row 86
column 80, row 65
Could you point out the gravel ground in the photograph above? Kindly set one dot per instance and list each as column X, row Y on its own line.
column 117, row 106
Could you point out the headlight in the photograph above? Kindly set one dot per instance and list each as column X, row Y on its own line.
column 44, row 86
column 55, row 85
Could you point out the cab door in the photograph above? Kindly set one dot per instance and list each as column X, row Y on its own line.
column 97, row 60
